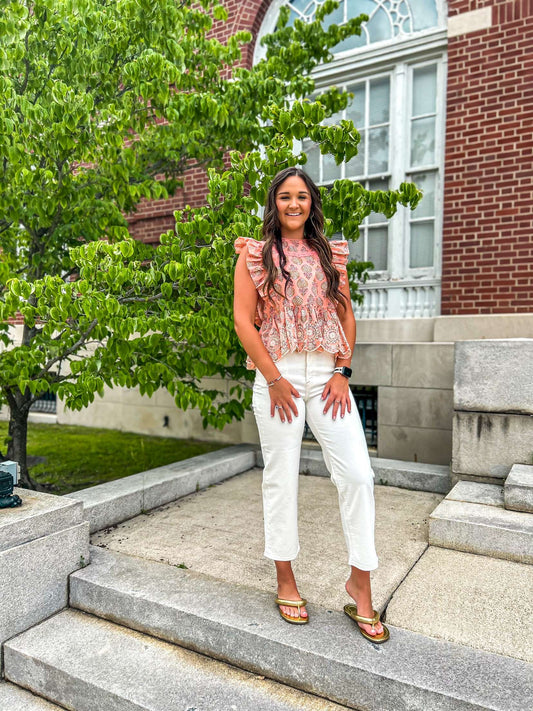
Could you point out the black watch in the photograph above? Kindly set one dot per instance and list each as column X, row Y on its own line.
column 343, row 370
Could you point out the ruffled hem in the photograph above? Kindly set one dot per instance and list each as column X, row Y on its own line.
column 303, row 329
column 254, row 260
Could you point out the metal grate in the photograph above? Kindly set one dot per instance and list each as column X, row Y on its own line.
column 46, row 403
column 366, row 399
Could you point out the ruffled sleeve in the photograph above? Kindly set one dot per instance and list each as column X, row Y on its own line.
column 254, row 260
column 341, row 253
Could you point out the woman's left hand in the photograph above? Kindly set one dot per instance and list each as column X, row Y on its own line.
column 337, row 394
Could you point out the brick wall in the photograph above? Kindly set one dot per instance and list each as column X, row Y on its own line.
column 488, row 206
column 154, row 218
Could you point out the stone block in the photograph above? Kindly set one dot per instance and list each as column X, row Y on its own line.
column 415, row 407
column 39, row 515
column 518, row 488
column 415, row 444
column 412, row 475
column 237, row 624
column 465, row 598
column 474, row 492
column 422, row 365
column 480, row 326
column 494, row 376
column 89, row 664
column 396, row 330
column 372, row 364
column 14, row 698
column 482, row 528
column 34, row 582
column 119, row 500
column 488, row 444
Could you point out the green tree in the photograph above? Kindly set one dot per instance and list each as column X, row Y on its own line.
column 106, row 103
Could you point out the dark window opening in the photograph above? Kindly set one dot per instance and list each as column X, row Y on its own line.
column 45, row 403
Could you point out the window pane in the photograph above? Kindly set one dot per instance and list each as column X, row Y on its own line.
column 333, row 119
column 359, row 7
column 355, row 111
column 330, row 171
column 350, row 43
column 334, row 18
column 424, row 90
column 357, row 249
column 355, row 167
column 378, row 150
column 424, row 13
column 377, row 247
column 379, row 184
column 379, row 101
column 423, row 141
column 379, row 27
column 426, row 183
column 312, row 167
column 421, row 245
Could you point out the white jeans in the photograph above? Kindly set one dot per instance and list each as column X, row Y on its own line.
column 345, row 453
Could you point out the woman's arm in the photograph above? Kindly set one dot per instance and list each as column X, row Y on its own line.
column 337, row 389
column 244, row 307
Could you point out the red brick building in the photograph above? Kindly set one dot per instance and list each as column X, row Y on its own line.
column 443, row 97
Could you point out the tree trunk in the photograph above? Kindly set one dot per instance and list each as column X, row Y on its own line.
column 19, row 405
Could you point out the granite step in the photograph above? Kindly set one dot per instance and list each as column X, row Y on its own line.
column 85, row 663
column 518, row 488
column 14, row 698
column 473, row 518
column 328, row 657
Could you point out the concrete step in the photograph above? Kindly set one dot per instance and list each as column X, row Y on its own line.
column 518, row 488
column 88, row 664
column 388, row 472
column 14, row 698
column 472, row 518
column 328, row 657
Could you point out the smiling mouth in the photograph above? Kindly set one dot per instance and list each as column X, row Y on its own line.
column 293, row 214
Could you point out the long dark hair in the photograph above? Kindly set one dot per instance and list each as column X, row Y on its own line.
column 313, row 234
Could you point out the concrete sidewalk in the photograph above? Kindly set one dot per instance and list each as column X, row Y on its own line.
column 459, row 597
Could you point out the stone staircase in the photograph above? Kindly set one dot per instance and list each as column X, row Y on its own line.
column 145, row 635
column 488, row 519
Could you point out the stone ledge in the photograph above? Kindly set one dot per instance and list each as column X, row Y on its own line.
column 119, row 500
column 388, row 472
column 39, row 515
column 238, row 625
column 482, row 528
column 518, row 488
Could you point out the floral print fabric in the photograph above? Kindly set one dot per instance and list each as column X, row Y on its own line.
column 307, row 319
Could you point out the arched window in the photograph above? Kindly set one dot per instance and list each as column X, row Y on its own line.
column 396, row 71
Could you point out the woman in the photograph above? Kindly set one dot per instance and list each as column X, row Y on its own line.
column 293, row 284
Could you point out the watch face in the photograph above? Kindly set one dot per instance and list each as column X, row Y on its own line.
column 347, row 372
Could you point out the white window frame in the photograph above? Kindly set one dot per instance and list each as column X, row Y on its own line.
column 396, row 57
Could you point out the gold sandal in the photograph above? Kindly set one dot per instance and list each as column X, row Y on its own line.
column 351, row 611
column 293, row 603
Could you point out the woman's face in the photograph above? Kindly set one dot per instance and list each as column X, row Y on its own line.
column 293, row 203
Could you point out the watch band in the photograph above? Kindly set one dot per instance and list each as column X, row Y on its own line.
column 343, row 370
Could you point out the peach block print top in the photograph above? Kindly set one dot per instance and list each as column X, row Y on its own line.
column 307, row 319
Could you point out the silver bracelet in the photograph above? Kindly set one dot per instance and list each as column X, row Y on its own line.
column 272, row 382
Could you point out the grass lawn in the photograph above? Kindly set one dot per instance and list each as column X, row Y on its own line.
column 78, row 457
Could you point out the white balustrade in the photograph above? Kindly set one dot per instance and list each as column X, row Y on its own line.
column 401, row 299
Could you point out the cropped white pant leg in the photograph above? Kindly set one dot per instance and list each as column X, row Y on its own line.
column 345, row 453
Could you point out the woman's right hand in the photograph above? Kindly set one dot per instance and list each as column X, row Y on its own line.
column 281, row 399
